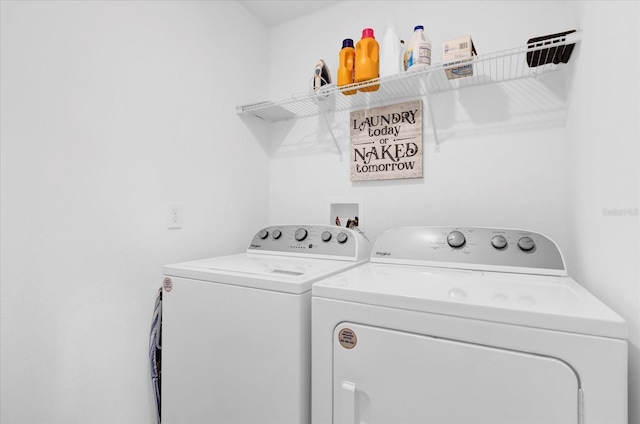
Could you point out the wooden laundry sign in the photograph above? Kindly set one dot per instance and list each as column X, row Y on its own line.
column 386, row 142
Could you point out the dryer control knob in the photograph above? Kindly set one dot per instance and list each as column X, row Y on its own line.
column 342, row 237
column 456, row 239
column 526, row 243
column 300, row 234
column 326, row 236
column 263, row 234
column 276, row 234
column 499, row 242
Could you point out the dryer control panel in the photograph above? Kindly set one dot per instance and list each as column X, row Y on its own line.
column 486, row 249
column 327, row 241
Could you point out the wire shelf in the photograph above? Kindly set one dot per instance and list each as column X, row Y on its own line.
column 527, row 61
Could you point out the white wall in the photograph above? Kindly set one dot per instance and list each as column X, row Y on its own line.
column 503, row 161
column 110, row 111
column 604, row 178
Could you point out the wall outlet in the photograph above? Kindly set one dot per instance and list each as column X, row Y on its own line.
column 174, row 216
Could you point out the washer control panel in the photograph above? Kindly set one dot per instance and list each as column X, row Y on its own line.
column 489, row 249
column 325, row 240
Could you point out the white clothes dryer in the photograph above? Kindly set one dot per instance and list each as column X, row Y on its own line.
column 467, row 326
column 236, row 340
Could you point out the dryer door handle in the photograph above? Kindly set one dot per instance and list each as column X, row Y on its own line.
column 346, row 414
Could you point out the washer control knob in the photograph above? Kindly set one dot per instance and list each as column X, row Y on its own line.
column 456, row 239
column 499, row 242
column 526, row 243
column 326, row 236
column 276, row 234
column 342, row 238
column 300, row 234
column 263, row 234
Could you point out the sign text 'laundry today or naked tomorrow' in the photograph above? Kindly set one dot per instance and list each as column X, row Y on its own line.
column 386, row 142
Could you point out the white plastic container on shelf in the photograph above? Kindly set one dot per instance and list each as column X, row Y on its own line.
column 391, row 53
column 419, row 49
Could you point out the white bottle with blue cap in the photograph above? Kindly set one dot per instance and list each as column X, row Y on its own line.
column 419, row 49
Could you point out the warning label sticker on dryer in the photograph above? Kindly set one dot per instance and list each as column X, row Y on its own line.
column 347, row 338
column 167, row 284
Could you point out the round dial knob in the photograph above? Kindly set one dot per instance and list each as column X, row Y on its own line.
column 276, row 234
column 526, row 243
column 300, row 234
column 326, row 236
column 263, row 234
column 499, row 242
column 456, row 239
column 342, row 237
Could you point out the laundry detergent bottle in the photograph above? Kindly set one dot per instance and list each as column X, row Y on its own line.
column 419, row 49
column 367, row 59
column 346, row 69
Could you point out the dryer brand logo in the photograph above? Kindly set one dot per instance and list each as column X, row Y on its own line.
column 255, row 246
column 383, row 254
column 386, row 142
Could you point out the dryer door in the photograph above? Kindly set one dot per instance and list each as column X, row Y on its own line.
column 383, row 376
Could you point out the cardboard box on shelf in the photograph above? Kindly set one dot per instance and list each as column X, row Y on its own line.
column 459, row 50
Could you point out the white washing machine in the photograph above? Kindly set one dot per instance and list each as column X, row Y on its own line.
column 468, row 326
column 236, row 340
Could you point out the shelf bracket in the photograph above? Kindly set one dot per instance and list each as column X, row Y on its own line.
column 433, row 124
column 333, row 137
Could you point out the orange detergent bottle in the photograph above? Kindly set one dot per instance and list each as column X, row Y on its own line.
column 367, row 59
column 346, row 70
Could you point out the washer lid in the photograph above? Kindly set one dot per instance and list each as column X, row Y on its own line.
column 549, row 302
column 268, row 272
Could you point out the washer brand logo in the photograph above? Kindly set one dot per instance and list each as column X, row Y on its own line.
column 255, row 246
column 383, row 254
